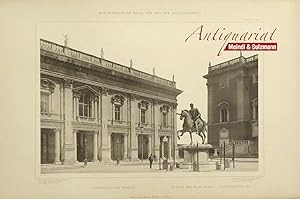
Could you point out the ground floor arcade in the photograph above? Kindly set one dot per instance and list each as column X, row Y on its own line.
column 87, row 144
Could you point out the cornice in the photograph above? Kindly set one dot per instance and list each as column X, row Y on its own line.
column 105, row 88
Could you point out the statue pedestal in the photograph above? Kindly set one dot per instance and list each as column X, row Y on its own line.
column 190, row 155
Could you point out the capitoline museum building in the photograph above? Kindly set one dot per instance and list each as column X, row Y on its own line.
column 90, row 105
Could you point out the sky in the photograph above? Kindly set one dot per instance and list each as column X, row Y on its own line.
column 152, row 44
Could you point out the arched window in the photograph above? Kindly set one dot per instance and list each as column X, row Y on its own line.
column 224, row 111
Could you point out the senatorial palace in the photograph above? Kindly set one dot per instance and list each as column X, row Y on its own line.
column 90, row 105
column 233, row 102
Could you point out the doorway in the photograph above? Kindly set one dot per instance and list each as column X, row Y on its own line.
column 81, row 147
column 47, row 146
column 117, row 146
column 143, row 142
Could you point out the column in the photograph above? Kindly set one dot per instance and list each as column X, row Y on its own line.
column 162, row 148
column 57, row 147
column 95, row 154
column 44, row 147
column 156, row 114
column 75, row 144
column 134, row 140
column 99, row 129
column 77, row 108
column 105, row 102
column 67, row 110
column 93, row 109
column 96, row 109
column 74, row 108
column 125, row 146
column 149, row 145
column 170, row 146
column 137, row 146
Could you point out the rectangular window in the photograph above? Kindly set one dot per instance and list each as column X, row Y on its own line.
column 143, row 116
column 84, row 106
column 44, row 103
column 224, row 83
column 117, row 112
column 164, row 121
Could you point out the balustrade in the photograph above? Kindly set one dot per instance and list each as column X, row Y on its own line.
column 66, row 51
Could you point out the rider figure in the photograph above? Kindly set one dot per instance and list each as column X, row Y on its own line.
column 195, row 114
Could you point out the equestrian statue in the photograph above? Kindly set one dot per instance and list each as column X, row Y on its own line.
column 192, row 123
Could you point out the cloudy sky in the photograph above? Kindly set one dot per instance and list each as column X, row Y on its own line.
column 152, row 44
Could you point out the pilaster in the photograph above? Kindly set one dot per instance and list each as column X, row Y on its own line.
column 133, row 135
column 105, row 147
column 75, row 144
column 57, row 146
column 125, row 146
column 95, row 146
column 69, row 140
column 156, row 113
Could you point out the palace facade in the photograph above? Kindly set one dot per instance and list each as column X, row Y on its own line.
column 233, row 102
column 90, row 105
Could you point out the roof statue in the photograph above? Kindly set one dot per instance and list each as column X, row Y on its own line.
column 66, row 41
column 102, row 53
column 131, row 63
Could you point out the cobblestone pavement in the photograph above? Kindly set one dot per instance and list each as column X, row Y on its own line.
column 243, row 164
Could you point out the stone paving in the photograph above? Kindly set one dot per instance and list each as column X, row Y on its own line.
column 242, row 164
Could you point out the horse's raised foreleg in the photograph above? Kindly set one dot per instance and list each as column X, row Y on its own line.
column 178, row 136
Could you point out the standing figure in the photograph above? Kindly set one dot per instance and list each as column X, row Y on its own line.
column 150, row 160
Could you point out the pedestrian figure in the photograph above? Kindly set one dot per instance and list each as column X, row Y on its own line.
column 150, row 160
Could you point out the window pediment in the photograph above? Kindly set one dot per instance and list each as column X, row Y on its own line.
column 86, row 89
column 118, row 99
column 144, row 104
column 164, row 108
column 47, row 84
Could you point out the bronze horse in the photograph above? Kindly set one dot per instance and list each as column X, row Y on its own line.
column 188, row 126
